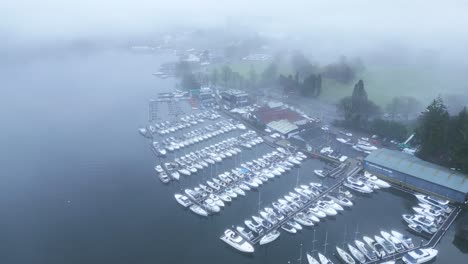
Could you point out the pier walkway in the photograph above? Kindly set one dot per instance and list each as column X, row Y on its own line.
column 432, row 242
column 350, row 172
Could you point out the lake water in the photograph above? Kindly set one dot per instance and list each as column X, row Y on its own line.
column 78, row 184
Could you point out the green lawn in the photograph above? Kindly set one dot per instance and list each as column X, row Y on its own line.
column 382, row 82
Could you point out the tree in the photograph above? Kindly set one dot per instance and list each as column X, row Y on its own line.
column 226, row 74
column 301, row 65
column 388, row 129
column 181, row 68
column 357, row 108
column 340, row 71
column 431, row 132
column 459, row 140
column 214, row 77
column 252, row 77
column 189, row 82
column 269, row 75
column 403, row 106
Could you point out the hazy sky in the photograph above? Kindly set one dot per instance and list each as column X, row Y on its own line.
column 50, row 20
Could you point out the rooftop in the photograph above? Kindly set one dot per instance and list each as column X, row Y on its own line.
column 266, row 114
column 418, row 168
column 235, row 92
column 282, row 126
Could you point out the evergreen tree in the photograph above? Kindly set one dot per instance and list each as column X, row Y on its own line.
column 459, row 140
column 253, row 77
column 432, row 132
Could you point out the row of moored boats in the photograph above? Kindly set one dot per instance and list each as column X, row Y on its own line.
column 212, row 195
column 199, row 135
column 198, row 160
column 428, row 215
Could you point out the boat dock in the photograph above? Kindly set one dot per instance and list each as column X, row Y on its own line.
column 351, row 172
column 432, row 242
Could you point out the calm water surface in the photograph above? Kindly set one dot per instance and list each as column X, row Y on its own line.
column 78, row 184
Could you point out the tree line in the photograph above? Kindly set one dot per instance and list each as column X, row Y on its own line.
column 443, row 139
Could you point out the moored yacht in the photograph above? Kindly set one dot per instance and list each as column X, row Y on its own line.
column 198, row 210
column 357, row 185
column 288, row 228
column 320, row 173
column 422, row 255
column 357, row 254
column 378, row 248
column 323, row 259
column 236, row 241
column 388, row 247
column 431, row 200
column 406, row 240
column 270, row 237
column 311, row 260
column 370, row 253
column 396, row 243
column 182, row 200
column 345, row 256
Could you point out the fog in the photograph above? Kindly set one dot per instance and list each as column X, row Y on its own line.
column 396, row 32
column 51, row 20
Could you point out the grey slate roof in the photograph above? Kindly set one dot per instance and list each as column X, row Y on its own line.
column 411, row 165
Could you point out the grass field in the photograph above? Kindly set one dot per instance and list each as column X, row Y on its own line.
column 382, row 82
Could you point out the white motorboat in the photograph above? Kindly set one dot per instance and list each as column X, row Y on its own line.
column 320, row 173
column 244, row 186
column 422, row 255
column 302, row 219
column 226, row 198
column 374, row 179
column 182, row 200
column 345, row 256
column 158, row 168
column 236, row 241
column 211, row 205
column 253, row 226
column 288, row 228
column 439, row 210
column 396, row 243
column 343, row 201
column 388, row 247
column 431, row 200
column 238, row 190
column 262, row 222
column 378, row 248
column 357, row 254
column 317, row 212
column 428, row 212
column 245, row 233
column 230, row 192
column 294, row 160
column 369, row 252
column 311, row 260
column 270, row 237
column 312, row 217
column 323, row 259
column 163, row 177
column 184, row 171
column 198, row 210
column 217, row 200
column 425, row 221
column 326, row 209
column 357, row 185
column 294, row 224
column 328, row 200
column 269, row 217
column 422, row 229
column 405, row 240
column 213, row 185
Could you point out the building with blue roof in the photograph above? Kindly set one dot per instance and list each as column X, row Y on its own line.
column 412, row 172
